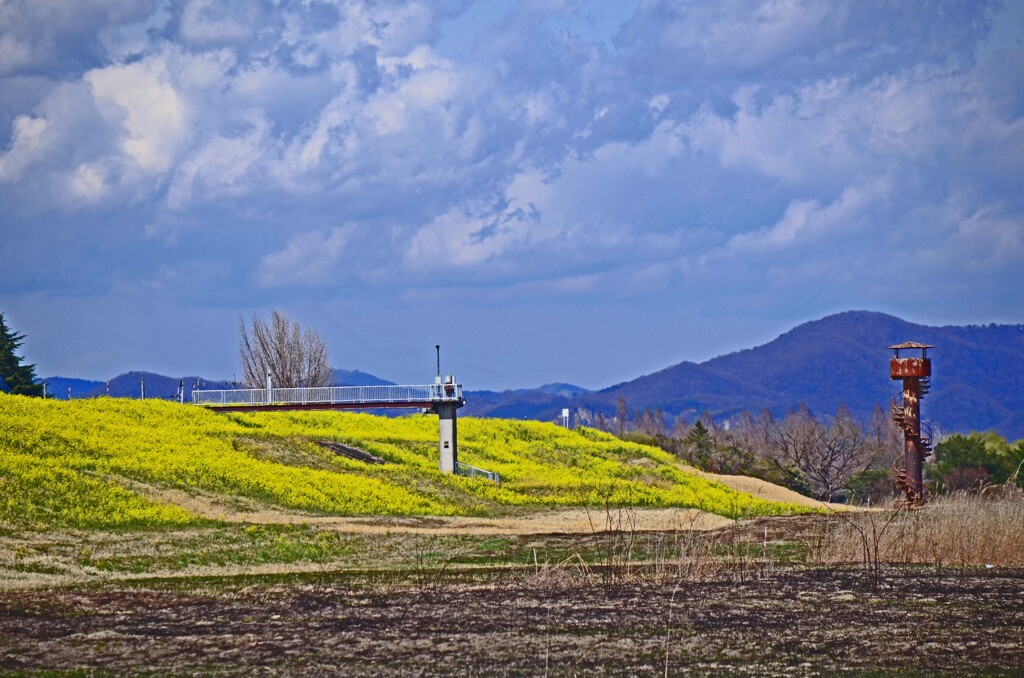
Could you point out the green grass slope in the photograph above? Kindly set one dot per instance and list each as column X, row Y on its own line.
column 79, row 463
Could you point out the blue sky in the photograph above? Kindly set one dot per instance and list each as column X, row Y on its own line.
column 552, row 190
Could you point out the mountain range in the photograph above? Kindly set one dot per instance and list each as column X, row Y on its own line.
column 842, row 359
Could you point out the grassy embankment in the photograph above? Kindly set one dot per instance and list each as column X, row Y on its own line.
column 91, row 463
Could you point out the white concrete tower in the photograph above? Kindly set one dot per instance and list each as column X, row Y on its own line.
column 448, row 445
column 447, row 400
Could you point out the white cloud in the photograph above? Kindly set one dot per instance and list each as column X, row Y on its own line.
column 14, row 53
column 140, row 101
column 473, row 236
column 222, row 166
column 310, row 259
column 806, row 221
column 426, row 90
column 89, row 182
column 742, row 35
column 28, row 142
column 218, row 22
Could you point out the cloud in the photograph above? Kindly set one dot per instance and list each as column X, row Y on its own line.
column 672, row 153
column 776, row 40
column 140, row 101
column 90, row 182
column 209, row 22
column 308, row 260
column 52, row 35
column 28, row 142
column 221, row 166
column 807, row 221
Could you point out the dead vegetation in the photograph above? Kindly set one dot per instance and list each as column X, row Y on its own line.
column 959, row 530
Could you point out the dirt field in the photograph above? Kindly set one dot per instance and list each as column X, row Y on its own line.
column 264, row 542
column 788, row 621
column 420, row 598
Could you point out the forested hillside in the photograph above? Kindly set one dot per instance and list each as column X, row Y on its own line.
column 840, row 359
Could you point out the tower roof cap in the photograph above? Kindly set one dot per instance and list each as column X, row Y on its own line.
column 912, row 344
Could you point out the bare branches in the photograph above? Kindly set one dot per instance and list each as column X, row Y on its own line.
column 291, row 356
column 828, row 456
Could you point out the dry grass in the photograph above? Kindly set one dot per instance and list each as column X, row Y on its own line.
column 960, row 530
column 690, row 550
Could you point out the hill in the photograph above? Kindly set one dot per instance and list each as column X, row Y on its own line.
column 840, row 359
column 358, row 378
column 60, row 387
column 115, row 463
column 130, row 384
column 526, row 403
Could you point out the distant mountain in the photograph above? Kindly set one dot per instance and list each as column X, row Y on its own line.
column 528, row 403
column 358, row 378
column 57, row 387
column 559, row 389
column 977, row 382
column 130, row 384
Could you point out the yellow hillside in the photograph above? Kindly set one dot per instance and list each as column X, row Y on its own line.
column 88, row 463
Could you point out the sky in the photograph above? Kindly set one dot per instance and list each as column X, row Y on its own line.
column 552, row 190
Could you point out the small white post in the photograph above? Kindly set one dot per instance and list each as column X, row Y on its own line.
column 143, row 388
column 270, row 386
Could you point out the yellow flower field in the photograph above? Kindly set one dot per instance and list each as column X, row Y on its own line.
column 74, row 463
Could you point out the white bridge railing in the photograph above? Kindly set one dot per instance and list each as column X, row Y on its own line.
column 467, row 471
column 331, row 395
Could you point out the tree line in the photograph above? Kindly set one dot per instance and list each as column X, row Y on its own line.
column 832, row 458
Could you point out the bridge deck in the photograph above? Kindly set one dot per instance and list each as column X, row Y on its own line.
column 329, row 397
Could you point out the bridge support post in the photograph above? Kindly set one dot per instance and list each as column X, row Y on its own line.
column 448, row 444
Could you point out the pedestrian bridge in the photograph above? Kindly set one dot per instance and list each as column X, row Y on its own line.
column 427, row 396
column 442, row 398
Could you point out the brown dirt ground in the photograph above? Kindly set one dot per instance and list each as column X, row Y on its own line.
column 566, row 521
column 792, row 621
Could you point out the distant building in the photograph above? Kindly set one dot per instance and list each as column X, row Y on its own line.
column 4, row 388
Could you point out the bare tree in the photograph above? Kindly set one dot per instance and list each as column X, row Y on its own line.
column 827, row 456
column 885, row 437
column 292, row 356
column 621, row 415
column 845, row 451
column 680, row 429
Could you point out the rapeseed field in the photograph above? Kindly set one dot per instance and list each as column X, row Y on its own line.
column 99, row 463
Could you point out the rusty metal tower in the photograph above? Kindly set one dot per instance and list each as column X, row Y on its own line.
column 916, row 374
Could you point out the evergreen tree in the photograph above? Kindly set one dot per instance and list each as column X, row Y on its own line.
column 21, row 379
column 699, row 445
